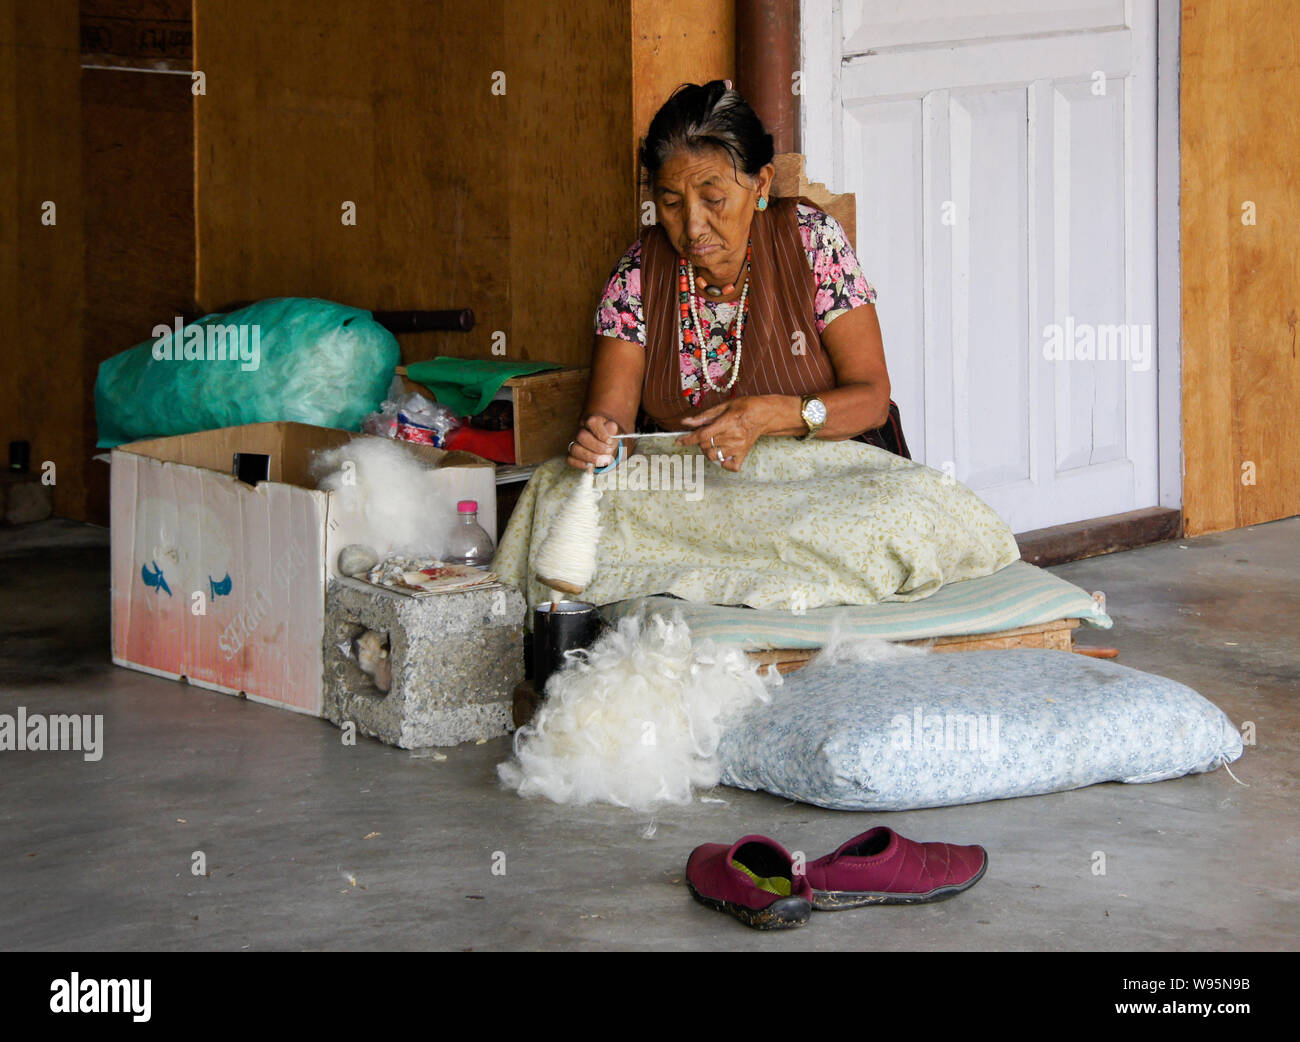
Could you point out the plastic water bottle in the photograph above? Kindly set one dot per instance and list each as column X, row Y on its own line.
column 469, row 543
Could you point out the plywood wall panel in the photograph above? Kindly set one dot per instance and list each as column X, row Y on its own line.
column 138, row 172
column 465, row 197
column 1205, row 216
column 41, row 265
column 386, row 107
column 1240, row 129
column 569, row 76
column 675, row 42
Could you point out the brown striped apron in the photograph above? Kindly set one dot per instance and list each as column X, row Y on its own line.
column 782, row 351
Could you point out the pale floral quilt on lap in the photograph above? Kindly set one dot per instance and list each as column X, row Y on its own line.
column 804, row 524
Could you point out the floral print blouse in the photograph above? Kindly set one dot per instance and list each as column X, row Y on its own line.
column 841, row 286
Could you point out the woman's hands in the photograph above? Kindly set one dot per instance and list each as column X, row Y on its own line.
column 593, row 444
column 726, row 433
column 617, row 369
column 858, row 402
column 730, row 428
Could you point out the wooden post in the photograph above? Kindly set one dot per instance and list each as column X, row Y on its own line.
column 767, row 58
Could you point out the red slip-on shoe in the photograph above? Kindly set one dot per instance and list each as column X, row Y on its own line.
column 753, row 879
column 880, row 867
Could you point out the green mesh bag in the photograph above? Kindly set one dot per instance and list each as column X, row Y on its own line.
column 286, row 358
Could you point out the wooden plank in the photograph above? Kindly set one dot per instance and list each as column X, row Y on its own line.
column 393, row 114
column 15, row 424
column 786, row 660
column 511, row 201
column 1204, row 119
column 791, row 180
column 673, row 42
column 569, row 187
column 1265, row 269
column 42, row 265
column 138, row 145
column 1240, row 133
column 1101, row 535
column 1056, row 635
column 551, row 379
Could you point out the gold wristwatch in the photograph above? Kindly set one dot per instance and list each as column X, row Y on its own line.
column 813, row 411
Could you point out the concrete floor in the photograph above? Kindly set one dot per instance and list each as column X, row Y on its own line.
column 314, row 845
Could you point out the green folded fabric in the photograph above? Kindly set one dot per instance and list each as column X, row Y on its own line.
column 467, row 385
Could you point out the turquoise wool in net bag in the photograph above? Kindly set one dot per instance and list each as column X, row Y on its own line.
column 286, row 358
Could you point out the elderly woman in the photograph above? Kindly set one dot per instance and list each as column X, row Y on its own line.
column 745, row 321
column 738, row 315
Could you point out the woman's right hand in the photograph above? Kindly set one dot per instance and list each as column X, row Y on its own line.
column 593, row 446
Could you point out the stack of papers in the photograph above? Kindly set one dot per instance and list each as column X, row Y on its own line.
column 420, row 577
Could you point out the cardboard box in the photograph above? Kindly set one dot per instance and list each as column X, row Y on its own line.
column 222, row 582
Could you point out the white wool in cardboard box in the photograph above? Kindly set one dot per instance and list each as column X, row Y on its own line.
column 397, row 493
column 224, row 582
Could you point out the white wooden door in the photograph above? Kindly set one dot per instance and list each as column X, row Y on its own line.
column 1003, row 153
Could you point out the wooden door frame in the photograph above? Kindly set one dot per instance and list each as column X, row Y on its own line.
column 1169, row 305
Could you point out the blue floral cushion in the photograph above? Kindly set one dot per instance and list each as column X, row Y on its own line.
column 941, row 729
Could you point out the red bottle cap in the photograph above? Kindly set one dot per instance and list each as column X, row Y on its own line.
column 467, row 506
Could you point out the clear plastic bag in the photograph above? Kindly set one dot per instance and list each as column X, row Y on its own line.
column 383, row 422
column 423, row 420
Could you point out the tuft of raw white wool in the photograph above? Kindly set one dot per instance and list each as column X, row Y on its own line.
column 566, row 561
column 393, row 489
column 635, row 720
column 839, row 648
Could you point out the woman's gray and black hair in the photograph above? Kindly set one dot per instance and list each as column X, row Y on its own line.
column 697, row 118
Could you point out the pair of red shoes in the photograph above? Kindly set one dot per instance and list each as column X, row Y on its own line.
column 756, row 879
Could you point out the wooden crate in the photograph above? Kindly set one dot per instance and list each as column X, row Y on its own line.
column 1057, row 635
column 547, row 409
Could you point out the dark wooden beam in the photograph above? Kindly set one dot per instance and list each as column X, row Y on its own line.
column 1101, row 535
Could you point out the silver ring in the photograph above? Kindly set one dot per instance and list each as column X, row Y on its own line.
column 713, row 441
column 571, row 444
column 720, row 457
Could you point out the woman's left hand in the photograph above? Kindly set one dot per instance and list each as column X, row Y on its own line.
column 726, row 433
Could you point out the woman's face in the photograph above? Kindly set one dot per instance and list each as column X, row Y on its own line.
column 706, row 211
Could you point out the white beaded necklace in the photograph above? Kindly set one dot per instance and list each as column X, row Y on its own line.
column 699, row 336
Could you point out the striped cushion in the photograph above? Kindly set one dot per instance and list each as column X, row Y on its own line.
column 1017, row 595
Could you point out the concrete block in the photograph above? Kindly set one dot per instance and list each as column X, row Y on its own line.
column 455, row 658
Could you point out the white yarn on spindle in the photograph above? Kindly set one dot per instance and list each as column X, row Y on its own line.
column 567, row 560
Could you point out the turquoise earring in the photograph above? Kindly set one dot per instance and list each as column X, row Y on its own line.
column 762, row 204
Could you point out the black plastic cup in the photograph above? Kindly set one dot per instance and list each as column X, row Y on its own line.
column 572, row 625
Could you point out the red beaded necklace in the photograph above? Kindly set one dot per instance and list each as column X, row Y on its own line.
column 690, row 336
